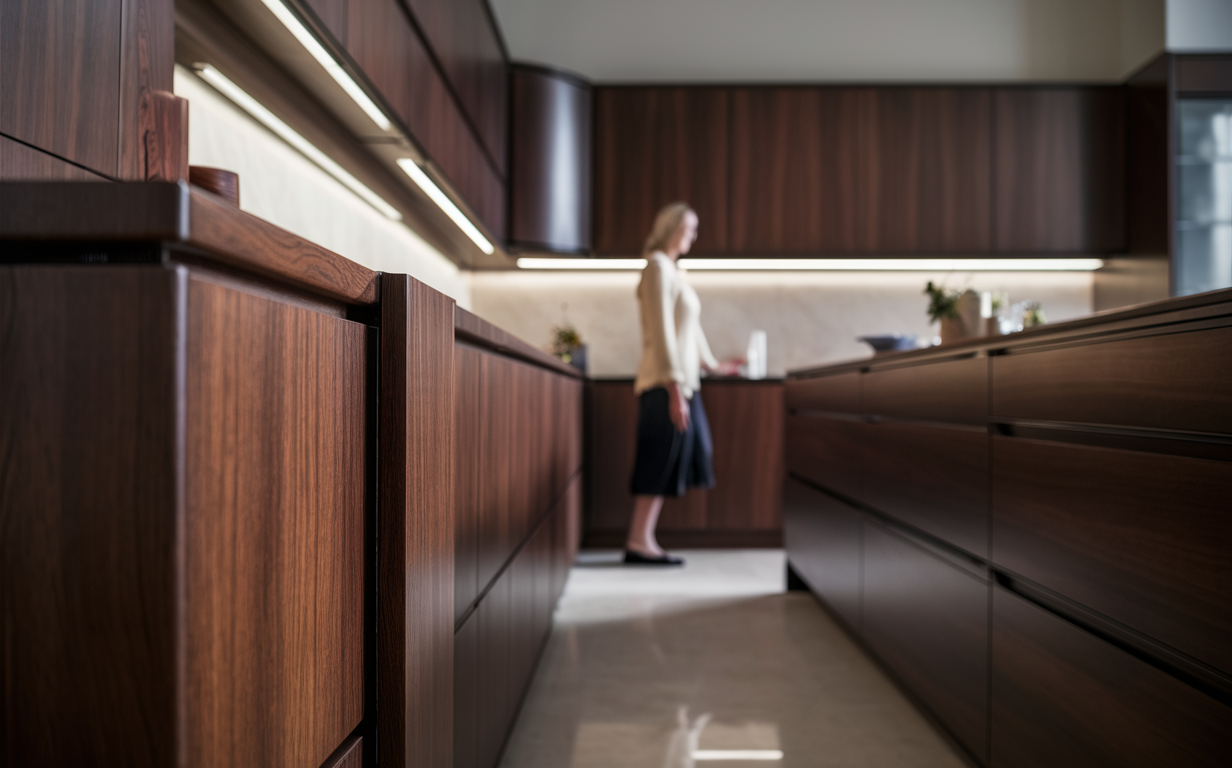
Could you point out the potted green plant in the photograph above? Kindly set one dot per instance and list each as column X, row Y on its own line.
column 567, row 345
column 943, row 308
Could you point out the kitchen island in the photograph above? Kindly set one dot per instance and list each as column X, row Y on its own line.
column 1033, row 533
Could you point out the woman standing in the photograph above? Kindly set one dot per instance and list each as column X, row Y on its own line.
column 674, row 451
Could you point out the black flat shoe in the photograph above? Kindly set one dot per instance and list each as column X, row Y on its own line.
column 637, row 558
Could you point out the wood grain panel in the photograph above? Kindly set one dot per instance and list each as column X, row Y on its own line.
column 746, row 423
column 839, row 393
column 147, row 67
column 349, row 755
column 415, row 572
column 927, row 180
column 1174, row 381
column 333, row 15
column 945, row 391
column 1062, row 697
column 822, row 538
column 796, row 168
column 1204, row 74
column 829, row 452
column 494, row 688
column 1059, row 169
column 89, row 515
column 929, row 622
column 1149, row 161
column 21, row 162
column 467, row 44
column 933, row 478
column 469, row 421
column 466, row 694
column 386, row 47
column 1141, row 538
column 60, row 90
column 274, row 536
column 653, row 146
column 611, row 442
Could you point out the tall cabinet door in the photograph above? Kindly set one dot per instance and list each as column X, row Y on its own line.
column 273, row 529
column 654, row 146
column 1059, row 170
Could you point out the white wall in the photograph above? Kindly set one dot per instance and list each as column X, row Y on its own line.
column 809, row 317
column 283, row 187
column 838, row 40
column 1199, row 25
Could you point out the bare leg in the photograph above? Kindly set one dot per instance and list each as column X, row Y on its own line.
column 642, row 529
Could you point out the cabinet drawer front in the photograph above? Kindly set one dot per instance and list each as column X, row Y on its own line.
column 822, row 537
column 827, row 451
column 838, row 394
column 949, row 391
column 933, row 478
column 929, row 622
column 1143, row 538
column 1062, row 697
column 1177, row 381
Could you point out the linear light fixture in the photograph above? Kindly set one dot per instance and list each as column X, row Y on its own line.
column 253, row 107
column 836, row 265
column 737, row 754
column 325, row 59
column 412, row 169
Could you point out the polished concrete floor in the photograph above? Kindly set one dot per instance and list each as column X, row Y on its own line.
column 709, row 665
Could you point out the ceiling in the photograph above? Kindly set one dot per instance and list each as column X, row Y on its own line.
column 834, row 40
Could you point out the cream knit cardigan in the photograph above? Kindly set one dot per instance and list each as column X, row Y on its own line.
column 673, row 343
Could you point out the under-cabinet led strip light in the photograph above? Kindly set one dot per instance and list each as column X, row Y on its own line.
column 287, row 134
column 412, row 169
column 848, row 265
column 323, row 57
column 737, row 754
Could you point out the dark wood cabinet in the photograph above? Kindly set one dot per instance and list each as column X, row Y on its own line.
column 1059, row 170
column 933, row 478
column 1083, row 469
column 1107, row 528
column 1062, row 697
column 822, row 536
column 827, row 451
column 465, row 40
column 833, row 170
column 743, row 509
column 653, row 146
column 796, row 169
column 928, row 621
column 391, row 54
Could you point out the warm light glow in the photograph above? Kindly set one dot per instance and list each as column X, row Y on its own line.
column 737, row 754
column 425, row 183
column 287, row 134
column 835, row 265
column 531, row 262
column 335, row 70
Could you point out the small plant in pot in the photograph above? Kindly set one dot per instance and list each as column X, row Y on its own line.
column 567, row 345
column 943, row 308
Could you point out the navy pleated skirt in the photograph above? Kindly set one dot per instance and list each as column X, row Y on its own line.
column 669, row 462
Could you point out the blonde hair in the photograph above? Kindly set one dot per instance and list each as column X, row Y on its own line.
column 666, row 222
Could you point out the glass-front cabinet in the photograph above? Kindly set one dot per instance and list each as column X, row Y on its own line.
column 1203, row 256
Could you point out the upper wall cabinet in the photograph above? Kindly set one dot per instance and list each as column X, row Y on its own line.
column 464, row 37
column 1060, row 170
column 878, row 170
column 653, row 146
column 860, row 170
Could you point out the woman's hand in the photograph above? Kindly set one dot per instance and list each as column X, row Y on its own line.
column 677, row 407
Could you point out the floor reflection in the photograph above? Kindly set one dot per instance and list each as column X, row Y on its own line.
column 709, row 665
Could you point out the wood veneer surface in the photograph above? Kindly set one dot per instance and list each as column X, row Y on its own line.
column 416, row 569
column 161, row 211
column 89, row 512
column 274, row 530
column 1142, row 538
column 822, row 538
column 654, row 146
column 61, row 84
column 929, row 621
column 953, row 391
column 22, row 162
column 1062, row 697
